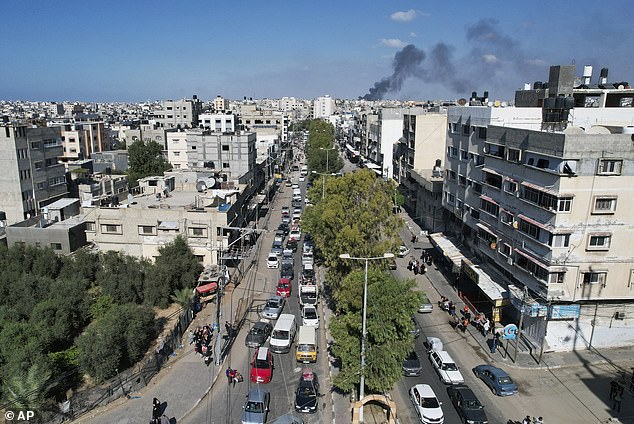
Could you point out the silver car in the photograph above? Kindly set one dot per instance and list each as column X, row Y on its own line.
column 273, row 307
column 256, row 408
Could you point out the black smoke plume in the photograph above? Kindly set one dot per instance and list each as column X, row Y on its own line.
column 405, row 65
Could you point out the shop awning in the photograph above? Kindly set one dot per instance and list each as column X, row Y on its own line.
column 490, row 288
column 448, row 249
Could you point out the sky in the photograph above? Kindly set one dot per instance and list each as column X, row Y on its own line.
column 134, row 51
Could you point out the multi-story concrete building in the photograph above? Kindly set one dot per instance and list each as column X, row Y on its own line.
column 81, row 139
column 323, row 107
column 220, row 104
column 178, row 113
column 217, row 122
column 233, row 155
column 270, row 126
column 32, row 177
column 541, row 197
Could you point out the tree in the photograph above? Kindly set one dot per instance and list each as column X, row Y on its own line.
column 122, row 277
column 354, row 217
column 145, row 159
column 391, row 304
column 183, row 297
column 28, row 391
column 176, row 267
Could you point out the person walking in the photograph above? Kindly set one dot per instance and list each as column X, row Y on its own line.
column 156, row 409
column 485, row 327
column 230, row 373
column 494, row 343
column 616, row 406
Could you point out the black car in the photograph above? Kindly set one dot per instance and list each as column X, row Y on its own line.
column 411, row 365
column 291, row 244
column 258, row 334
column 467, row 404
column 284, row 227
column 287, row 271
column 307, row 392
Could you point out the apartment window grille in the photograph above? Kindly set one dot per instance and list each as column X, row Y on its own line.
column 90, row 226
column 529, row 229
column 147, row 230
column 559, row 240
column 599, row 242
column 556, row 277
column 513, row 155
column 604, row 205
column 595, row 277
column 610, row 166
column 111, row 228
column 490, row 208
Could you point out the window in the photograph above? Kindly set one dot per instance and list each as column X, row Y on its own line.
column 489, row 207
column 604, row 205
column 482, row 133
column 610, row 167
column 475, row 214
column 505, row 249
column 451, row 174
column 531, row 267
column 90, row 226
column 477, row 187
column 41, row 185
column 197, row 232
column 513, row 155
column 465, row 130
column 462, row 180
column 464, row 155
column 225, row 164
column 556, row 277
column 38, row 165
column 595, row 277
column 506, row 217
column 177, row 153
column 225, row 147
column 564, row 204
column 111, row 228
column 599, row 242
column 510, row 186
column 452, row 152
column 56, row 246
column 147, row 230
column 56, row 181
column 494, row 150
column 450, row 198
column 559, row 240
column 493, row 180
column 529, row 229
column 35, row 145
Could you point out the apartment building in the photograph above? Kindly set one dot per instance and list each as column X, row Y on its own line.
column 323, row 107
column 217, row 122
column 32, row 177
column 270, row 126
column 81, row 139
column 220, row 104
column 540, row 196
column 178, row 113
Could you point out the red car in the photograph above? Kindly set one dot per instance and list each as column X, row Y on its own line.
column 284, row 287
column 262, row 366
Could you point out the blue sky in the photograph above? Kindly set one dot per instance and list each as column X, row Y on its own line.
column 149, row 50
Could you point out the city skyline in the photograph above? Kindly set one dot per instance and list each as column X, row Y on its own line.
column 88, row 51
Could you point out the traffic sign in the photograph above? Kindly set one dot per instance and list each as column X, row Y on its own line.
column 509, row 332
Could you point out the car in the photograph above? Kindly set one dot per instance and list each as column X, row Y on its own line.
column 467, row 404
column 307, row 392
column 256, row 408
column 310, row 318
column 295, row 234
column 307, row 258
column 411, row 365
column 425, row 305
column 286, row 210
column 287, row 271
column 426, row 404
column 276, row 248
column 273, row 307
column 291, row 244
column 279, row 236
column 308, row 275
column 295, row 185
column 272, row 261
column 288, row 183
column 258, row 334
column 497, row 379
column 306, row 201
column 415, row 329
column 283, row 287
column 287, row 257
column 286, row 219
column 302, row 178
column 446, row 367
column 284, row 227
column 402, row 251
column 262, row 366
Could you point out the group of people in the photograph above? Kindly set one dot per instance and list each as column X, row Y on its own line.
column 233, row 376
column 157, row 413
column 417, row 266
column 529, row 420
column 202, row 337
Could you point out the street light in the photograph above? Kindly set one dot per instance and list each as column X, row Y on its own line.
column 363, row 325
column 327, row 149
column 323, row 181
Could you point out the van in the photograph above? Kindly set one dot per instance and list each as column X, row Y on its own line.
column 306, row 345
column 283, row 334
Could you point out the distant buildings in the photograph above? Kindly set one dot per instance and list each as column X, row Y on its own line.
column 323, row 107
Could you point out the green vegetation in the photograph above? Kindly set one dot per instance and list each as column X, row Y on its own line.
column 63, row 317
column 355, row 216
column 145, row 160
column 320, row 150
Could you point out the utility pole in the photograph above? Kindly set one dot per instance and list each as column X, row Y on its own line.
column 519, row 327
column 541, row 349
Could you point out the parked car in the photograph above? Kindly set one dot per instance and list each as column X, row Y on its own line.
column 497, row 379
column 446, row 367
column 262, row 366
column 467, row 404
column 273, row 307
column 284, row 227
column 277, row 249
column 272, row 261
column 295, row 234
column 256, row 408
column 302, row 178
column 307, row 258
column 307, row 392
column 283, row 287
column 425, row 306
column 286, row 210
column 402, row 251
column 426, row 404
column 292, row 244
column 258, row 334
column 415, row 330
column 310, row 318
column 411, row 365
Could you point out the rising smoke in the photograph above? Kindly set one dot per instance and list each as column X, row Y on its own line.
column 486, row 64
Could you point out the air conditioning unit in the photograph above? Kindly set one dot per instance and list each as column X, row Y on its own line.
column 619, row 315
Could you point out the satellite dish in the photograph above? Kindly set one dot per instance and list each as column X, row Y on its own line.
column 200, row 186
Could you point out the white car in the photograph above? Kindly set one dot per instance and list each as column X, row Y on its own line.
column 295, row 235
column 310, row 318
column 402, row 251
column 307, row 258
column 272, row 261
column 302, row 178
column 445, row 367
column 426, row 404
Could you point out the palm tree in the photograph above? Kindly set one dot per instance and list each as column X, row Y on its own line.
column 28, row 392
column 183, row 297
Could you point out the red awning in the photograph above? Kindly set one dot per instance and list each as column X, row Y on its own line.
column 488, row 199
column 530, row 258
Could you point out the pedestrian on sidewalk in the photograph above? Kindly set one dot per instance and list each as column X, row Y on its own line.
column 485, row 327
column 156, row 409
column 494, row 343
column 237, row 378
column 616, row 406
column 230, row 373
column 614, row 389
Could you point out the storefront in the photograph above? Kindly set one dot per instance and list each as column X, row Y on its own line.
column 451, row 256
column 480, row 291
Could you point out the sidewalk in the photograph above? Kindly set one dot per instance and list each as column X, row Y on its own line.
column 620, row 358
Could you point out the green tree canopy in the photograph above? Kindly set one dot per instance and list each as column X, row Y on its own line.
column 146, row 159
column 320, row 154
column 391, row 304
column 354, row 217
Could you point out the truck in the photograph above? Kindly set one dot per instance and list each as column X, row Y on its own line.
column 308, row 292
